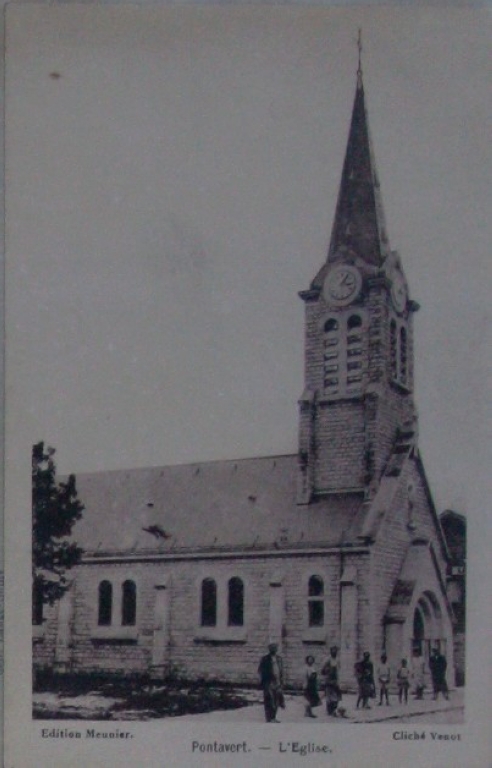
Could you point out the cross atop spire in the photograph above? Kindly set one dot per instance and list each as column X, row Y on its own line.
column 359, row 47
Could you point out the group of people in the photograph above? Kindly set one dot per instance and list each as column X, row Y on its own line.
column 406, row 676
column 271, row 676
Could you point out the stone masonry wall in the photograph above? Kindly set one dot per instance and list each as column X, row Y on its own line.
column 194, row 651
column 340, row 445
column 395, row 537
column 388, row 406
column 348, row 440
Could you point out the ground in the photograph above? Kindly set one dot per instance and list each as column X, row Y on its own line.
column 218, row 703
column 87, row 698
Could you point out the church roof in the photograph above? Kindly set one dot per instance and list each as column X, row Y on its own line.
column 359, row 227
column 248, row 504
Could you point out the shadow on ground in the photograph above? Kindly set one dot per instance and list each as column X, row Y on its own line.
column 91, row 698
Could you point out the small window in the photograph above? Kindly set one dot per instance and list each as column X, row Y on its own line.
column 354, row 321
column 129, row 604
column 105, row 609
column 331, row 325
column 37, row 602
column 331, row 382
column 209, row 603
column 235, row 612
column 331, row 342
column 316, row 602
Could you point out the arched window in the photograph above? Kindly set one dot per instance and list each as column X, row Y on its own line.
column 209, row 603
column 37, row 602
column 354, row 321
column 316, row 602
column 403, row 355
column 393, row 352
column 344, row 358
column 235, row 605
column 331, row 325
column 128, row 603
column 105, row 606
column 331, row 355
column 354, row 351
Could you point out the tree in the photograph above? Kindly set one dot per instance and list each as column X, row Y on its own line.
column 55, row 510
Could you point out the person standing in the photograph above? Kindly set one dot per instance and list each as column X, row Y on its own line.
column 364, row 671
column 438, row 666
column 270, row 670
column 311, row 687
column 403, row 681
column 331, row 673
column 384, row 677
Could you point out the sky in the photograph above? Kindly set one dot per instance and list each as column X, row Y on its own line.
column 171, row 181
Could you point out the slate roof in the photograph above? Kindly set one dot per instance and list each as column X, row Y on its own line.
column 247, row 504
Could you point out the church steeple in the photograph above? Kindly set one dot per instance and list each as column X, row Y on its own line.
column 359, row 228
column 358, row 380
column 359, row 220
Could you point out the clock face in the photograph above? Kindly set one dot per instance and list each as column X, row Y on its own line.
column 342, row 284
column 399, row 293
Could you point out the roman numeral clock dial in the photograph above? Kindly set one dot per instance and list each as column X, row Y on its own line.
column 342, row 285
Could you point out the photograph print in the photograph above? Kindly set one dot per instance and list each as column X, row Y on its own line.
column 239, row 343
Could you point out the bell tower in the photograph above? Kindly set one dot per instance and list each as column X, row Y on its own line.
column 357, row 401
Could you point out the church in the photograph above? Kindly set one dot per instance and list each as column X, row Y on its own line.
column 192, row 570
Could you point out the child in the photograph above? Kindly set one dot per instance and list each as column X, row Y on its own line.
column 403, row 680
column 384, row 676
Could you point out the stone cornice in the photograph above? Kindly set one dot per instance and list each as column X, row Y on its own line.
column 92, row 558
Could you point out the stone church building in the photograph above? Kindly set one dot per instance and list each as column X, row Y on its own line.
column 194, row 569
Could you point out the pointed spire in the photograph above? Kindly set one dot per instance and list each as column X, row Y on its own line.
column 359, row 220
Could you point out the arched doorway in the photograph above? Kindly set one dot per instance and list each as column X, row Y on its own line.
column 418, row 632
column 428, row 630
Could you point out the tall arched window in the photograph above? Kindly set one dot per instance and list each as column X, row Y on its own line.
column 331, row 356
column 354, row 350
column 209, row 603
column 316, row 602
column 37, row 603
column 403, row 355
column 399, row 352
column 235, row 602
column 105, row 605
column 128, row 603
column 393, row 350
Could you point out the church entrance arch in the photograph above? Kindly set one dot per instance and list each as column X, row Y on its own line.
column 428, row 629
column 418, row 632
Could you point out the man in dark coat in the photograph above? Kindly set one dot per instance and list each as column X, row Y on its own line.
column 271, row 680
column 331, row 672
column 437, row 666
